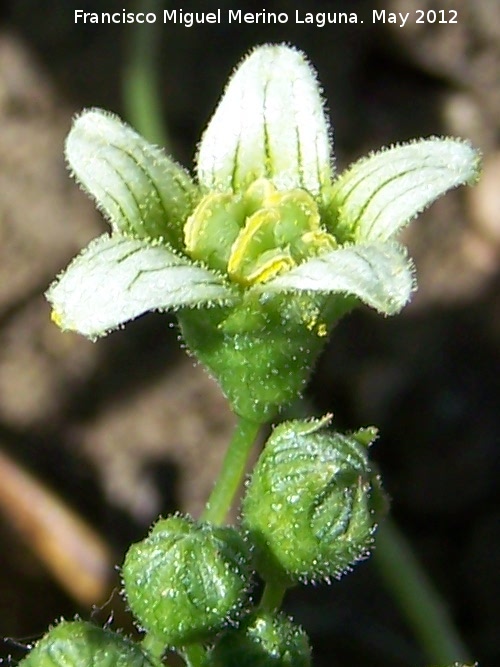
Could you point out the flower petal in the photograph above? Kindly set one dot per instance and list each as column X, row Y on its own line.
column 380, row 275
column 269, row 123
column 380, row 194
column 139, row 189
column 116, row 279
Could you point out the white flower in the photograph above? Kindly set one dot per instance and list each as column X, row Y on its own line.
column 266, row 237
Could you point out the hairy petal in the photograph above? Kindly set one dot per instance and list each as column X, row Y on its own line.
column 137, row 186
column 269, row 123
column 380, row 194
column 116, row 279
column 380, row 275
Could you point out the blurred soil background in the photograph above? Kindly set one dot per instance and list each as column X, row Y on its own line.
column 127, row 428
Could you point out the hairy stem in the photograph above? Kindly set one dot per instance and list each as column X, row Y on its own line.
column 422, row 605
column 232, row 472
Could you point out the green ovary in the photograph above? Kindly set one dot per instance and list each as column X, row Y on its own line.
column 255, row 235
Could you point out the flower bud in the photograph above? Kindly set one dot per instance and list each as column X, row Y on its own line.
column 307, row 507
column 78, row 643
column 186, row 580
column 262, row 640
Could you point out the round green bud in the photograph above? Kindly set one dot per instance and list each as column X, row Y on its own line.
column 78, row 643
column 262, row 640
column 307, row 507
column 186, row 580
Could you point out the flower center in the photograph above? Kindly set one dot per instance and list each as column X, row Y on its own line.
column 255, row 235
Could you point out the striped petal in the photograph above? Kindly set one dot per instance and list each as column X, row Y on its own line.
column 116, row 279
column 380, row 275
column 380, row 194
column 269, row 123
column 140, row 190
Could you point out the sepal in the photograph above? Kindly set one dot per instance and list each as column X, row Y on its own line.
column 270, row 123
column 263, row 350
column 140, row 190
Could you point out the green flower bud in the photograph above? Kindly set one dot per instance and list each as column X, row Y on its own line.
column 186, row 580
column 307, row 507
column 262, row 640
column 79, row 643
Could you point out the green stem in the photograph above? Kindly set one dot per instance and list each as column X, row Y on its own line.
column 273, row 595
column 140, row 77
column 419, row 601
column 232, row 472
column 194, row 655
column 154, row 648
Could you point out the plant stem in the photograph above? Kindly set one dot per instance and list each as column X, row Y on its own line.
column 232, row 472
column 140, row 87
column 273, row 595
column 419, row 601
column 154, row 648
column 194, row 655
